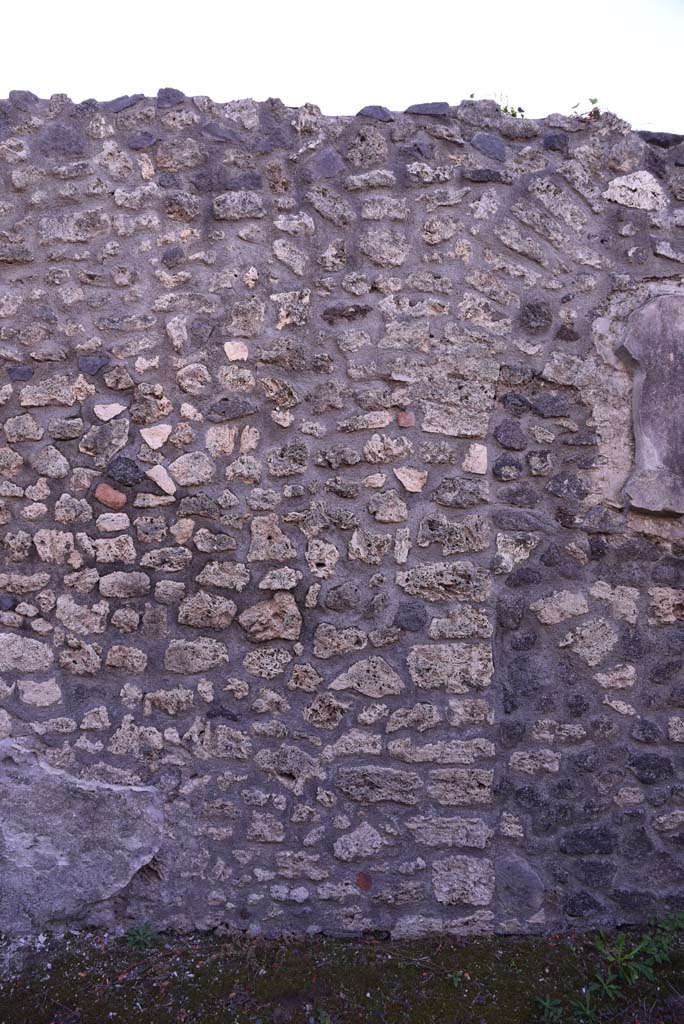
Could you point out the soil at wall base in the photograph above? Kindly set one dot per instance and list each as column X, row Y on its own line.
column 92, row 978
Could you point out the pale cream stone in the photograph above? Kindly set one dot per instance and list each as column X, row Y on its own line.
column 413, row 480
column 220, row 439
column 621, row 706
column 475, row 459
column 511, row 826
column 620, row 677
column 182, row 530
column 154, row 437
column 640, row 190
column 592, row 641
column 249, row 440
column 108, row 412
column 111, row 522
column 668, row 822
column 558, row 607
column 189, row 412
column 532, row 761
column 675, row 729
column 375, row 480
column 39, row 694
column 623, row 600
column 628, row 796
column 162, row 479
column 283, row 417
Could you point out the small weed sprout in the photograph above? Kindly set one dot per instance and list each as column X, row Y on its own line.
column 627, row 963
column 551, row 1009
column 142, row 937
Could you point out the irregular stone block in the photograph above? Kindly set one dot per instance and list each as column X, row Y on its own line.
column 52, row 873
column 652, row 346
column 463, row 880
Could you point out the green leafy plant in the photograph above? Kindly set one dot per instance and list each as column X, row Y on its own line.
column 589, row 115
column 606, row 986
column 627, row 962
column 456, row 977
column 142, row 937
column 507, row 107
column 584, row 1010
column 324, row 1018
column 551, row 1009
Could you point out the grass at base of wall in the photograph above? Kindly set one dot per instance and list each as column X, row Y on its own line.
column 201, row 979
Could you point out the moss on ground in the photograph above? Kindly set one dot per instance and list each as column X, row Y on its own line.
column 90, row 979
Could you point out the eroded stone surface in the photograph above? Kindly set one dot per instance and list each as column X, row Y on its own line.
column 653, row 342
column 53, row 871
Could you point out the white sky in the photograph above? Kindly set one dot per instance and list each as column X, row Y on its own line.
column 543, row 55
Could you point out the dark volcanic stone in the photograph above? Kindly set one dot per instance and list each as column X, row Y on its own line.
column 510, row 611
column 247, row 180
column 507, row 467
column 523, row 641
column 61, row 140
column 516, row 404
column 325, row 164
column 12, row 253
column 550, row 404
column 662, row 139
column 523, row 494
column 594, row 840
column 142, row 140
column 232, row 407
column 22, row 99
column 519, row 887
column 536, row 317
column 513, row 519
column 92, row 364
column 19, row 373
column 173, row 256
column 645, row 732
column 429, row 109
column 582, row 904
column 220, row 133
column 354, row 311
column 650, row 768
column 490, row 145
column 376, row 113
column 167, row 98
column 411, row 615
column 557, row 142
column 511, row 733
column 344, row 597
column 567, row 485
column 125, row 471
column 483, row 175
column 510, row 435
column 577, row 705
column 523, row 576
column 123, row 102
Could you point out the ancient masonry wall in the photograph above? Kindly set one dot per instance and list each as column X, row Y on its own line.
column 342, row 580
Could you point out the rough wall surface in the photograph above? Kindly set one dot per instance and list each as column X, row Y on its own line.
column 341, row 485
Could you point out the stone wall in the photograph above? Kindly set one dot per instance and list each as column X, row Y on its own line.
column 341, row 484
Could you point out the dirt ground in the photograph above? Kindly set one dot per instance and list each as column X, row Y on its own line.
column 92, row 978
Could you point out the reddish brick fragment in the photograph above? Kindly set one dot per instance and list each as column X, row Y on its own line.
column 110, row 497
column 363, row 881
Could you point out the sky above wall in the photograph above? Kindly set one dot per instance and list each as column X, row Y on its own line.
column 541, row 55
